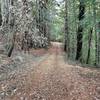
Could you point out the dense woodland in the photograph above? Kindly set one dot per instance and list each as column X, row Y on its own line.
column 83, row 31
column 76, row 23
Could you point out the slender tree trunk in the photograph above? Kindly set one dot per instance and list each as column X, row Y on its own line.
column 12, row 31
column 66, row 38
column 75, row 31
column 95, row 29
column 10, row 50
column 89, row 45
column 0, row 15
column 98, row 62
column 80, row 30
column 12, row 46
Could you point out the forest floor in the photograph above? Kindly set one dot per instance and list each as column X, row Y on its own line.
column 46, row 75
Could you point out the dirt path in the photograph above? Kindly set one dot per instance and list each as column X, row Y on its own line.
column 54, row 79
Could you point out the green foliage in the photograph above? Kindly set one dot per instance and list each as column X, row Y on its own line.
column 90, row 20
column 57, row 25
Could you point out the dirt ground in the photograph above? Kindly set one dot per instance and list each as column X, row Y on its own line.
column 51, row 78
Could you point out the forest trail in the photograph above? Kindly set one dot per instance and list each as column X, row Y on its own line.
column 55, row 79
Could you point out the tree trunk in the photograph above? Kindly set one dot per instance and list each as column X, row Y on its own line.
column 11, row 50
column 80, row 30
column 66, row 38
column 89, row 45
column 98, row 57
column 95, row 30
column 12, row 46
column 0, row 15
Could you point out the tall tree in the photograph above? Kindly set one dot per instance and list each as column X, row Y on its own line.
column 89, row 35
column 42, row 17
column 95, row 30
column 89, row 44
column 98, row 44
column 66, row 37
column 0, row 14
column 80, row 30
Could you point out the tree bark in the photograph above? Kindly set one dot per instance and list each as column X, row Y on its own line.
column 66, row 38
column 80, row 30
column 89, row 45
column 98, row 57
column 95, row 30
column 0, row 15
